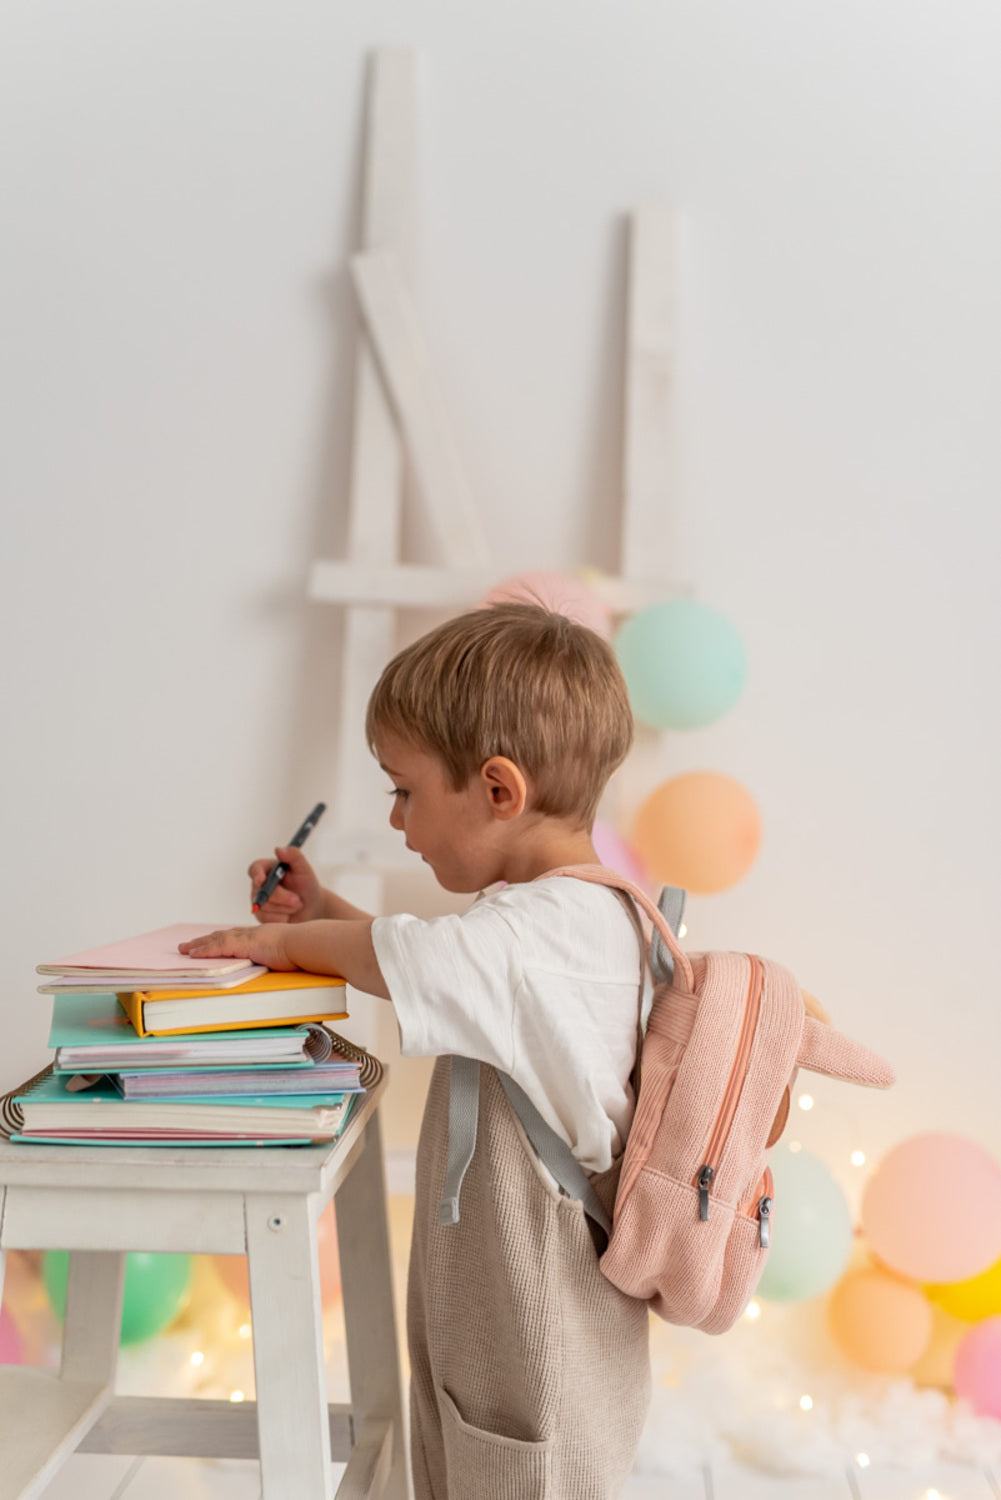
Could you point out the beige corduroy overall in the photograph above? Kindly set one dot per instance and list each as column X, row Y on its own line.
column 530, row 1372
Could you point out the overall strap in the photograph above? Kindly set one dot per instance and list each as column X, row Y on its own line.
column 554, row 1153
column 463, row 1117
column 551, row 1149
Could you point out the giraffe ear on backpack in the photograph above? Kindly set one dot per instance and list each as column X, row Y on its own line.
column 824, row 1050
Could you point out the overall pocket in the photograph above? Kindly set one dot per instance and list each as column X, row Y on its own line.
column 480, row 1463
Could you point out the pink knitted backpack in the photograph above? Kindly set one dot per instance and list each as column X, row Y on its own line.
column 691, row 1226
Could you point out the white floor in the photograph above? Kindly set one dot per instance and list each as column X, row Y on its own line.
column 712, row 1400
column 87, row 1477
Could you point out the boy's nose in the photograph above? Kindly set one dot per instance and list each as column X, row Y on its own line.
column 395, row 818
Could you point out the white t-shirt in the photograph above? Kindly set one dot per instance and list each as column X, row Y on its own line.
column 541, row 980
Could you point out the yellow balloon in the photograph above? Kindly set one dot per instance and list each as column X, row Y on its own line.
column 700, row 831
column 977, row 1298
column 881, row 1321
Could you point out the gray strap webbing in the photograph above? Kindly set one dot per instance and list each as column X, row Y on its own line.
column 672, row 906
column 555, row 1155
column 463, row 1112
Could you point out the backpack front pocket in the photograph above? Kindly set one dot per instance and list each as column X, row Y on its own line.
column 677, row 1269
column 743, row 1263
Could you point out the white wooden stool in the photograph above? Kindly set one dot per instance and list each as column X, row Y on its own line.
column 261, row 1202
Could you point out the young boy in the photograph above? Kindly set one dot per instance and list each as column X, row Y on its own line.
column 499, row 731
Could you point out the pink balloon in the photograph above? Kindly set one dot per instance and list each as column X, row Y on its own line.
column 559, row 592
column 11, row 1347
column 932, row 1209
column 613, row 851
column 977, row 1373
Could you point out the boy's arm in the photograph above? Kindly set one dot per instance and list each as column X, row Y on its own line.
column 337, row 947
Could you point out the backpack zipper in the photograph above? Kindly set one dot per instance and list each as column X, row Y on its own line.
column 764, row 1222
column 734, row 1084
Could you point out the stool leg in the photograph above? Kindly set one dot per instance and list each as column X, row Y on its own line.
column 367, row 1283
column 292, row 1420
column 93, row 1322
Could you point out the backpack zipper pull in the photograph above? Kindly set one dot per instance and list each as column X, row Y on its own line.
column 764, row 1225
column 706, row 1176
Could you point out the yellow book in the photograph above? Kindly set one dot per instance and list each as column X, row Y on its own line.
column 273, row 999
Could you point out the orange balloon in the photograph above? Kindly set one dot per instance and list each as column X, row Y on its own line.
column 937, row 1363
column 232, row 1269
column 700, row 831
column 880, row 1321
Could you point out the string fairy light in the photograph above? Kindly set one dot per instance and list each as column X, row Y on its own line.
column 862, row 1459
column 806, row 1403
column 752, row 1310
column 858, row 1158
column 198, row 1358
column 237, row 1396
column 805, row 1101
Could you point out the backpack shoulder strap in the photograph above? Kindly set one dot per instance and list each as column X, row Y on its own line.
column 681, row 968
column 554, row 1153
column 672, row 907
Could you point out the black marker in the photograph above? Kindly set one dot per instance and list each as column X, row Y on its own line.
column 280, row 870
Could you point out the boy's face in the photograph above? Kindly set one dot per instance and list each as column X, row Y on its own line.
column 456, row 833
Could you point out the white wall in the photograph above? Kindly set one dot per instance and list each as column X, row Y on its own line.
column 180, row 187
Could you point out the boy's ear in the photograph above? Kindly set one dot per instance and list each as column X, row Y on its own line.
column 505, row 785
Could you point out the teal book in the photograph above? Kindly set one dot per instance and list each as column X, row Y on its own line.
column 67, row 1089
column 58, row 1106
column 92, row 1034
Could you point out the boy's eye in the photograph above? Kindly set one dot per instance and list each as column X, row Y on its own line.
column 397, row 791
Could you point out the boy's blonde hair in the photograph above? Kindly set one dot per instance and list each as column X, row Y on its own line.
column 514, row 680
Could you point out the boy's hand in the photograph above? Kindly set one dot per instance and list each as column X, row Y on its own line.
column 297, row 898
column 262, row 945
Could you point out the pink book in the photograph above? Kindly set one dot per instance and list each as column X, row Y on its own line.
column 152, row 955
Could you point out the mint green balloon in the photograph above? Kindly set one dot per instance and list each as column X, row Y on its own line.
column 155, row 1290
column 684, row 664
column 811, row 1229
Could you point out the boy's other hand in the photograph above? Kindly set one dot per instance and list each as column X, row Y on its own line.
column 262, row 945
column 297, row 898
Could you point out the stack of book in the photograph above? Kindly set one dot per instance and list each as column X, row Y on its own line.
column 153, row 1047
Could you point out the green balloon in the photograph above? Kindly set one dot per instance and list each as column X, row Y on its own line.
column 811, row 1229
column 684, row 664
column 155, row 1290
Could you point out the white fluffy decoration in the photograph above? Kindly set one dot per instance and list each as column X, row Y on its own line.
column 739, row 1396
